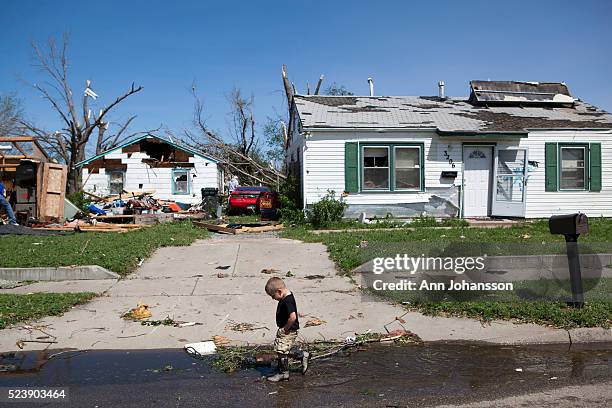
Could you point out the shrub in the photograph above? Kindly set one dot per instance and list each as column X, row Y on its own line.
column 291, row 209
column 327, row 210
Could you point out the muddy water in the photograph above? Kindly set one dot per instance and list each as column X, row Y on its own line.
column 423, row 375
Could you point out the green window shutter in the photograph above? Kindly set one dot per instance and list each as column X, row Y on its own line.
column 551, row 165
column 595, row 166
column 351, row 167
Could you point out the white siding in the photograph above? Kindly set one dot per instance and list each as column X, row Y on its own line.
column 541, row 203
column 324, row 164
column 140, row 176
column 324, row 169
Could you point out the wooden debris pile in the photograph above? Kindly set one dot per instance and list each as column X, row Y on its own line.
column 252, row 228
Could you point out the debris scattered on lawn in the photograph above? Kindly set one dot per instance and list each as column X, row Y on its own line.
column 269, row 270
column 138, row 313
column 313, row 277
column 223, row 267
column 255, row 227
column 363, row 244
column 314, row 322
column 242, row 327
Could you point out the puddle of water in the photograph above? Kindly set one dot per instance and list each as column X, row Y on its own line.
column 381, row 375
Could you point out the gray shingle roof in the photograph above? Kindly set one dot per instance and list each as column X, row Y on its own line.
column 445, row 115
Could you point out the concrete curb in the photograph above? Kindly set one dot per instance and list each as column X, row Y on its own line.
column 587, row 335
column 57, row 274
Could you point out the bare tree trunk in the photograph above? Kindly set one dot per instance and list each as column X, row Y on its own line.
column 70, row 142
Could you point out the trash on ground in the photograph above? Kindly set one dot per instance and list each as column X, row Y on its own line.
column 520, row 370
column 289, row 274
column 231, row 358
column 220, row 340
column 201, row 348
column 313, row 277
column 269, row 270
column 240, row 228
column 168, row 321
column 222, row 275
column 138, row 313
column 242, row 327
column 314, row 322
column 223, row 267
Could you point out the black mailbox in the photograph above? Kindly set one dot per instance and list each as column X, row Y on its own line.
column 571, row 224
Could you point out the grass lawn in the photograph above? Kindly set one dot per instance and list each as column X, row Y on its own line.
column 516, row 305
column 243, row 218
column 351, row 249
column 347, row 250
column 118, row 252
column 17, row 308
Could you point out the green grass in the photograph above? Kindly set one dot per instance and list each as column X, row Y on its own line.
column 393, row 223
column 117, row 252
column 243, row 219
column 17, row 308
column 536, row 301
column 351, row 249
column 346, row 250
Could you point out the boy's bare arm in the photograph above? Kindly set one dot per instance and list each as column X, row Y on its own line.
column 292, row 318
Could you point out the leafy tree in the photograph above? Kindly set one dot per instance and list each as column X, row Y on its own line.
column 337, row 90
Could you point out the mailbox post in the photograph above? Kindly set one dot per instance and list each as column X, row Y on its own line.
column 571, row 226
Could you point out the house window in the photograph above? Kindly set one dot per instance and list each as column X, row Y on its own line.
column 391, row 167
column 572, row 168
column 180, row 181
column 115, row 182
column 375, row 168
column 407, row 168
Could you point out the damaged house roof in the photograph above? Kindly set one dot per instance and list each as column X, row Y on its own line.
column 493, row 107
column 146, row 137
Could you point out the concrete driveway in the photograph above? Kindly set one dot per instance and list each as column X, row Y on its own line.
column 183, row 283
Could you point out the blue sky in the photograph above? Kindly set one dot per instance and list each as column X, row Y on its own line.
column 405, row 46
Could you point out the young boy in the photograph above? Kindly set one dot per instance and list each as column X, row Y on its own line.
column 288, row 326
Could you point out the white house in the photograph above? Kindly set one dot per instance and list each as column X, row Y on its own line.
column 512, row 149
column 150, row 163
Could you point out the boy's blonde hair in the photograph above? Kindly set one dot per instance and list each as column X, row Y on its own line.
column 273, row 285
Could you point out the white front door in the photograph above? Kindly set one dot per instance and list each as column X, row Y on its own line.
column 477, row 169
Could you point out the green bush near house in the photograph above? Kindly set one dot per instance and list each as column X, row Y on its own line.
column 17, row 308
column 291, row 212
column 118, row 252
column 327, row 211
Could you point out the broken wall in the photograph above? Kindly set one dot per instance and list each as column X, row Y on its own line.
column 144, row 170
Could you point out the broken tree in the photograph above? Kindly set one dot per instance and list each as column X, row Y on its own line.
column 70, row 141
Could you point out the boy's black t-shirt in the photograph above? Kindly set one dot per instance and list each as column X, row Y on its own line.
column 285, row 307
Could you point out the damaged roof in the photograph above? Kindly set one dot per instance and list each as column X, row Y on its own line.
column 452, row 115
column 138, row 139
column 513, row 92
